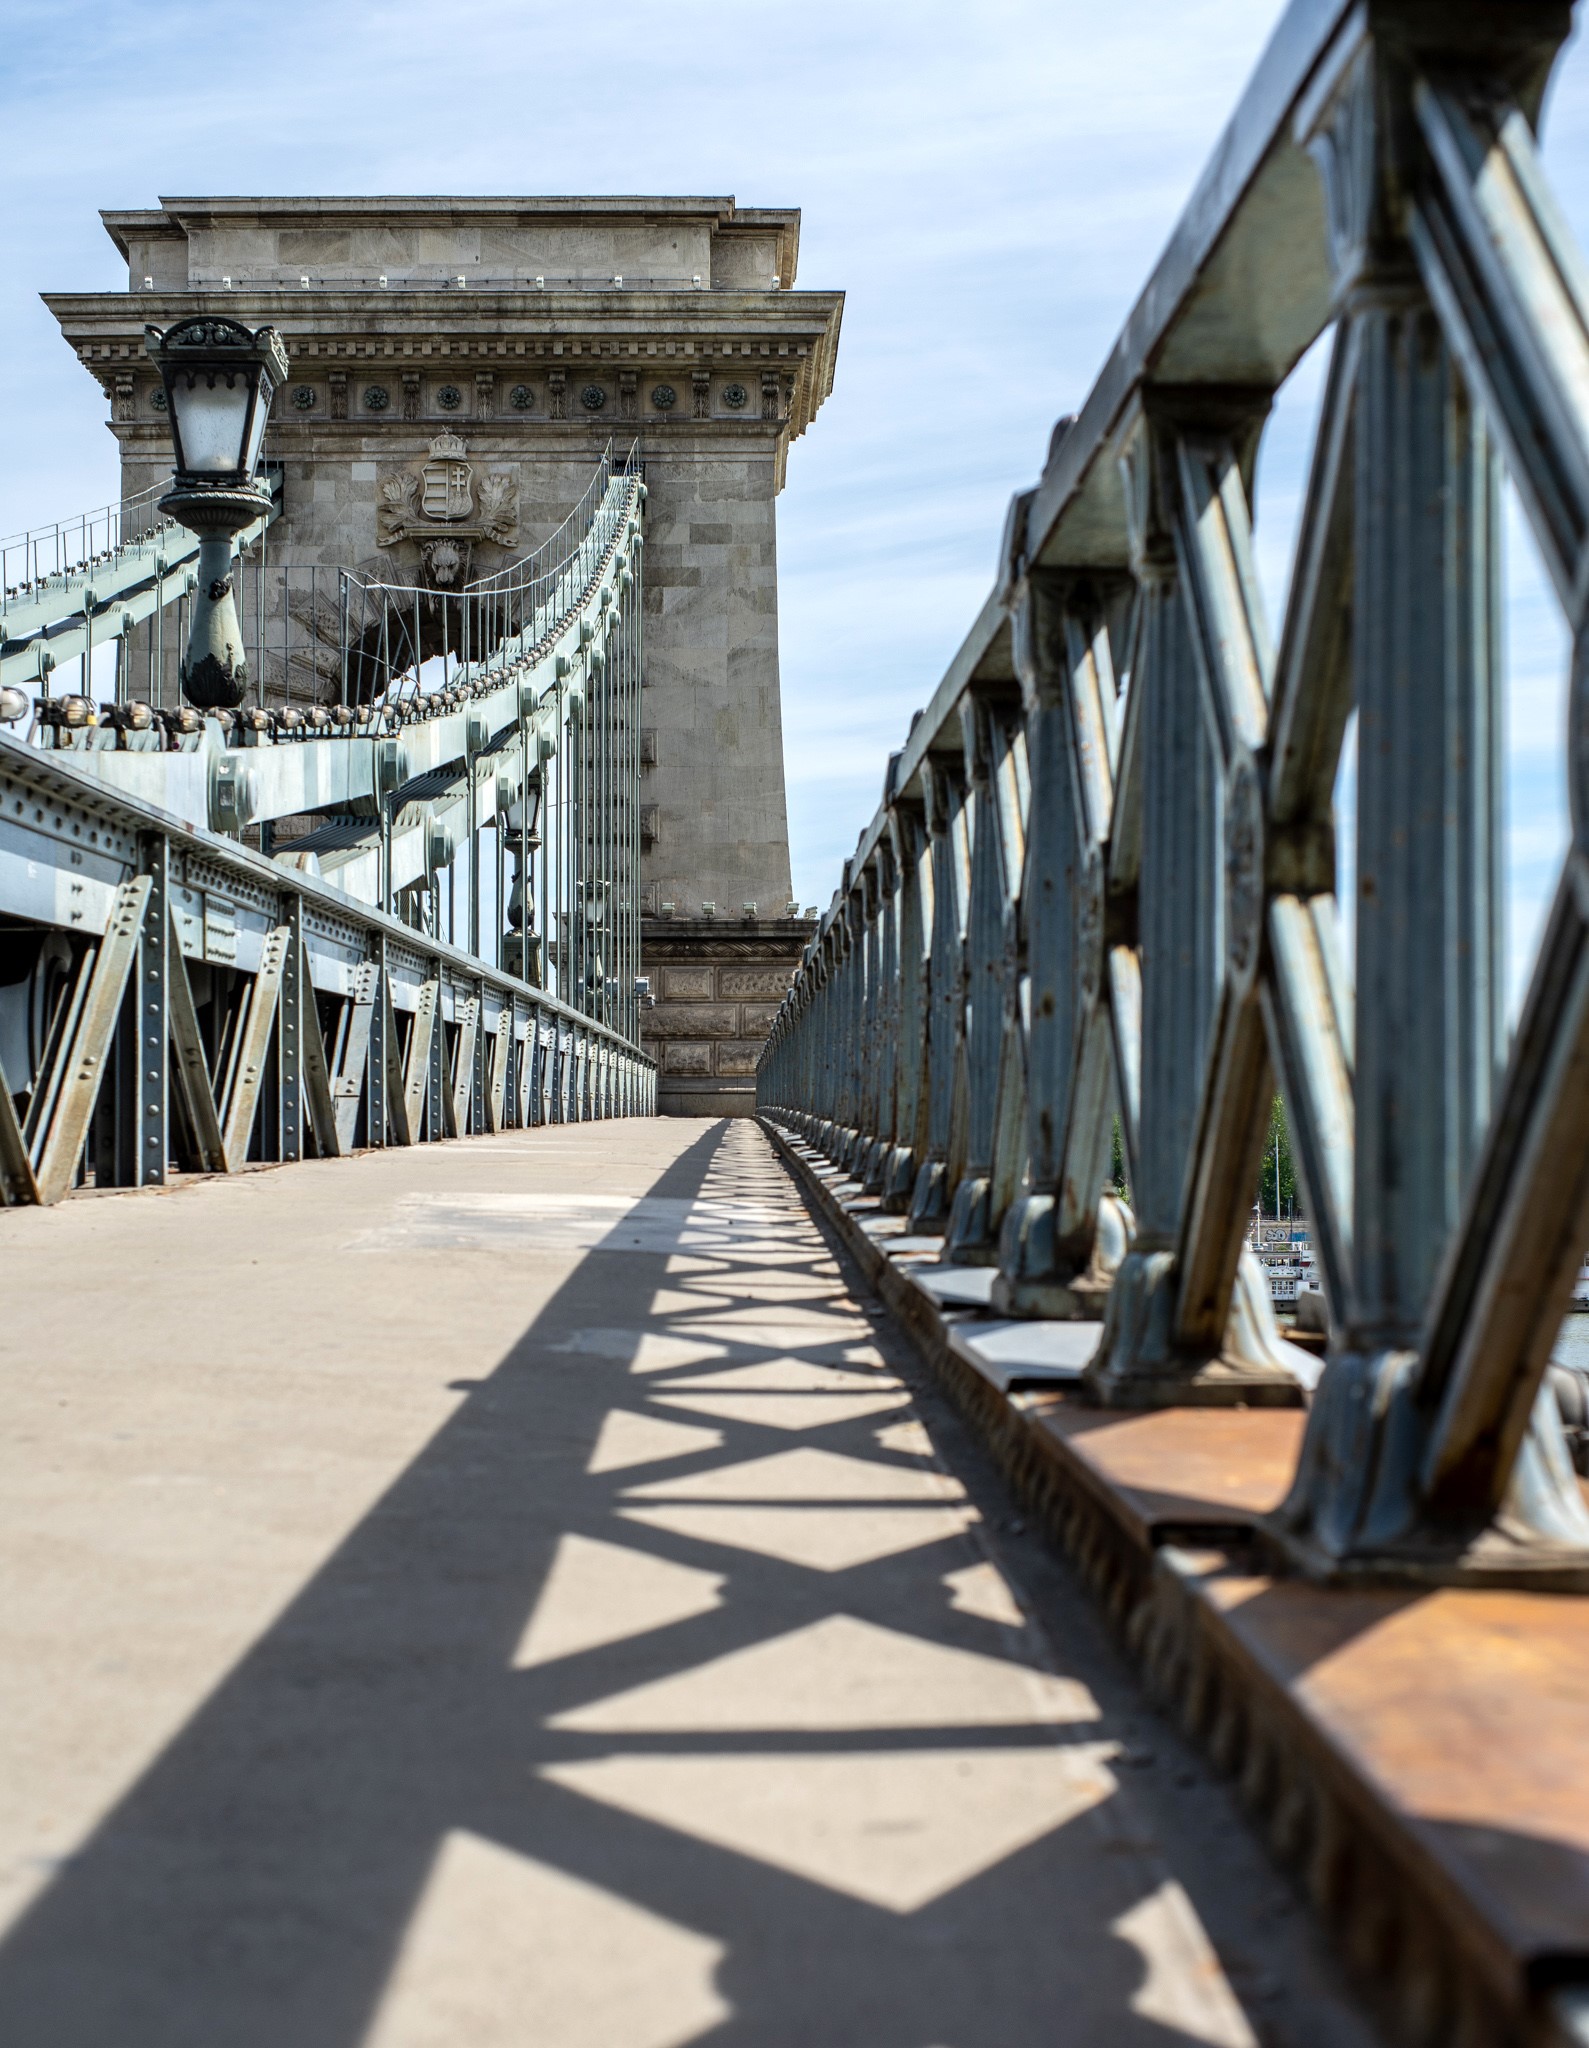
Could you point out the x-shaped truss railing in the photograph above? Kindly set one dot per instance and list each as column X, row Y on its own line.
column 1131, row 892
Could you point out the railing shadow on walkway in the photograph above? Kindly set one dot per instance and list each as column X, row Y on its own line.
column 255, row 1885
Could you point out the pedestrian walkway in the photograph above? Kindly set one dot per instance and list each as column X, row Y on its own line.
column 515, row 1592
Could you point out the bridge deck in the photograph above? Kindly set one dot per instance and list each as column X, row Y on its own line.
column 516, row 1591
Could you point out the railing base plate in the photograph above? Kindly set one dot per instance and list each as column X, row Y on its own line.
column 1490, row 1561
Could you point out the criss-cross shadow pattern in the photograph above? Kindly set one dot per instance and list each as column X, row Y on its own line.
column 670, row 1694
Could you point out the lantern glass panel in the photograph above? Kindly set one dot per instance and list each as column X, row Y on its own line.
column 212, row 414
column 256, row 426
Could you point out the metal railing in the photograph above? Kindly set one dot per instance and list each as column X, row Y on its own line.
column 1099, row 895
column 87, row 583
column 404, row 908
column 384, row 637
column 30, row 561
column 408, row 653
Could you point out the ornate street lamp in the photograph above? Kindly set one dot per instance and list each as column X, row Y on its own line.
column 219, row 379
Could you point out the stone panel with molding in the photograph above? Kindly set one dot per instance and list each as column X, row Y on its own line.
column 688, row 985
column 692, row 1056
column 693, row 1020
column 752, row 984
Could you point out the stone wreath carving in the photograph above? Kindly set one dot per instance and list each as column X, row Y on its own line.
column 449, row 398
column 521, row 398
column 664, row 398
column 735, row 395
column 499, row 500
column 399, row 508
column 593, row 398
column 303, row 397
column 377, row 398
column 157, row 398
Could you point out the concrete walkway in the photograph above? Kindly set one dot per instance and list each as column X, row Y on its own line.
column 509, row 1593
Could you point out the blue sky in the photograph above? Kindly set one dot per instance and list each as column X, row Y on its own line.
column 989, row 185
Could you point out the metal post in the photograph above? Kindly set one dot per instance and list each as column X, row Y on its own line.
column 290, row 1033
column 907, row 828
column 147, row 1026
column 933, row 1192
column 376, row 1066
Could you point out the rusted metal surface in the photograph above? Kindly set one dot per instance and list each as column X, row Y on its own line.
column 1414, row 1757
column 1175, row 1470
column 1433, row 1744
column 1468, row 1712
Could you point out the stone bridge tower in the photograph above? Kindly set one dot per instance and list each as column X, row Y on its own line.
column 532, row 331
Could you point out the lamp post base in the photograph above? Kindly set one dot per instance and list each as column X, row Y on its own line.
column 214, row 671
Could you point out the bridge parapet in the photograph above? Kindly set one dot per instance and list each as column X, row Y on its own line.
column 275, row 934
column 1099, row 894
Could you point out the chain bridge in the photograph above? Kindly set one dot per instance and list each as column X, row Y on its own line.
column 494, row 1556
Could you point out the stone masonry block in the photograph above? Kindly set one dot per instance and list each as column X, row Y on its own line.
column 752, row 984
column 738, row 1055
column 687, row 1057
column 692, row 1020
column 759, row 1016
column 687, row 984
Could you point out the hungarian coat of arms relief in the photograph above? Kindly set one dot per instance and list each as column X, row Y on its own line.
column 444, row 506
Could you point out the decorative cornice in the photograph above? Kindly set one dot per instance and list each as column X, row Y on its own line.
column 740, row 336
column 779, row 940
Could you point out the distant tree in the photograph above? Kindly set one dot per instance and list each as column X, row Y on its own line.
column 1279, row 1130
column 1281, row 1199
column 1117, row 1165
